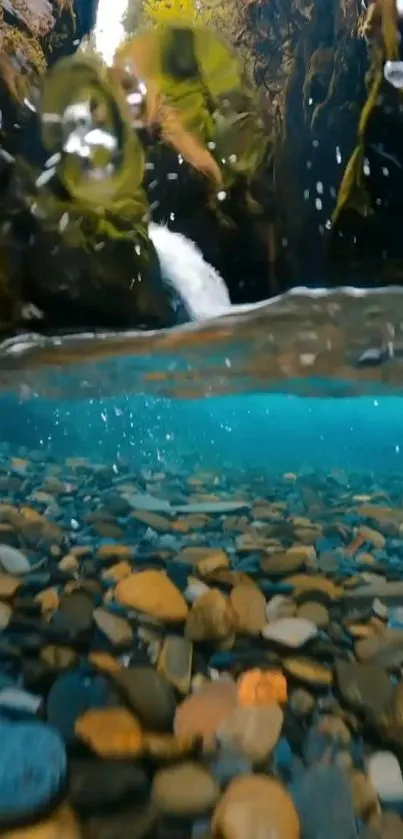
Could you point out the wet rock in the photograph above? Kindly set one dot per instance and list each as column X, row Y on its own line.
column 107, row 530
column 254, row 732
column 301, row 702
column 259, row 688
column 255, row 807
column 74, row 615
column 214, row 507
column 150, row 696
column 385, row 649
column 314, row 583
column 115, row 552
column 110, row 732
column 134, row 822
column 5, row 615
column 187, row 789
column 201, row 714
column 48, row 600
column 117, row 571
column 328, row 736
column 324, row 801
column 228, row 764
column 58, row 658
column 210, row 618
column 193, row 555
column 291, row 632
column 366, row 802
column 149, row 503
column 280, row 607
column 214, row 560
column 386, row 777
column 365, row 687
column 159, row 523
column 152, row 592
column 62, row 824
column 285, row 562
column 309, row 671
column 97, row 785
column 117, row 629
column 71, row 695
column 8, row 586
column 16, row 699
column 13, row 561
column 384, row 826
column 167, row 747
column 175, row 662
column 35, row 751
column 373, row 536
column 315, row 613
column 249, row 606
column 388, row 592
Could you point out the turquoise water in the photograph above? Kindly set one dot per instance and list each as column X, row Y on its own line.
column 309, row 380
column 264, row 432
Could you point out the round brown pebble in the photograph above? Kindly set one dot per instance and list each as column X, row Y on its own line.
column 256, row 807
column 110, row 732
column 308, row 671
column 202, row 713
column 253, row 731
column 314, row 612
column 185, row 789
column 152, row 592
column 211, row 617
column 249, row 607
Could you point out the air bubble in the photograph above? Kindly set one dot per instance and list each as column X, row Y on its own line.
column 393, row 73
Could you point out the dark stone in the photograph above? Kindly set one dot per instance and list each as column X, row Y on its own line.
column 74, row 616
column 98, row 785
column 150, row 696
column 364, row 687
column 128, row 823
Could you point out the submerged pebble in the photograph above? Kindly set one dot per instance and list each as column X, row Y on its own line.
column 184, row 663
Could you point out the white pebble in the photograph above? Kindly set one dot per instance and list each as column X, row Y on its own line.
column 13, row 560
column 274, row 606
column 292, row 632
column 195, row 590
column 386, row 776
column 20, row 700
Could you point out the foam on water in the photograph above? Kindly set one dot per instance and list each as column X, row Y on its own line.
column 183, row 267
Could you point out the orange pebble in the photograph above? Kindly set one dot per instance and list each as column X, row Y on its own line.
column 104, row 661
column 261, row 687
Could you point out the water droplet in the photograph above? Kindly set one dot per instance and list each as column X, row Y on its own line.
column 393, row 73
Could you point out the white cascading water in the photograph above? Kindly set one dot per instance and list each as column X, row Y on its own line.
column 201, row 288
column 183, row 267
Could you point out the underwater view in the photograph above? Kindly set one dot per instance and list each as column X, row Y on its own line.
column 201, row 419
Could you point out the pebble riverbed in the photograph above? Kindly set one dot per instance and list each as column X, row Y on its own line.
column 194, row 656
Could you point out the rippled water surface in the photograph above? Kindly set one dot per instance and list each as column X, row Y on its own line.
column 305, row 342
